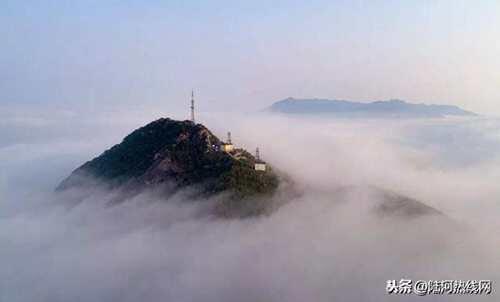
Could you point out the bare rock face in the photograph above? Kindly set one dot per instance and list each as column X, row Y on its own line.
column 178, row 152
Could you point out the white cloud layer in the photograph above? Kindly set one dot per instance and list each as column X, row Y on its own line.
column 320, row 246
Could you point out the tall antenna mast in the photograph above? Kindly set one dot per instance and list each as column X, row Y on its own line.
column 192, row 106
column 229, row 138
column 257, row 154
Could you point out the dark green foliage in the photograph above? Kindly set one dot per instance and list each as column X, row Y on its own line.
column 135, row 154
column 245, row 181
column 182, row 153
column 198, row 162
column 251, row 190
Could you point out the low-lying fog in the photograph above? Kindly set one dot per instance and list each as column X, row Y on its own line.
column 314, row 248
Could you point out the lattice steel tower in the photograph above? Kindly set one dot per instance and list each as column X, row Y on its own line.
column 192, row 106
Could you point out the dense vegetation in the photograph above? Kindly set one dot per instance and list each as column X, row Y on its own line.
column 182, row 153
column 135, row 154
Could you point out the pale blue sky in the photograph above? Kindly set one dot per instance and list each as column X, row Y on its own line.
column 245, row 55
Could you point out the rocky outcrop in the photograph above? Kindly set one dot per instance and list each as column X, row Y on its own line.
column 181, row 153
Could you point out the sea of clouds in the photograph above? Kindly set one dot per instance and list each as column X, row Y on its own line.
column 316, row 247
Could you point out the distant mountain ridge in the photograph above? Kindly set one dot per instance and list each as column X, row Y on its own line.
column 390, row 108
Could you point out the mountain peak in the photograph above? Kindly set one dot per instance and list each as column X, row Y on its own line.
column 181, row 153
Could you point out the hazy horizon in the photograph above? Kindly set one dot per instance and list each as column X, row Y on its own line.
column 239, row 55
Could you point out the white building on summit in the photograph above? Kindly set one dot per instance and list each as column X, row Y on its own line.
column 259, row 165
column 228, row 145
column 224, row 146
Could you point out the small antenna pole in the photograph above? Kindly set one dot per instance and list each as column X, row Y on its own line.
column 257, row 154
column 192, row 106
